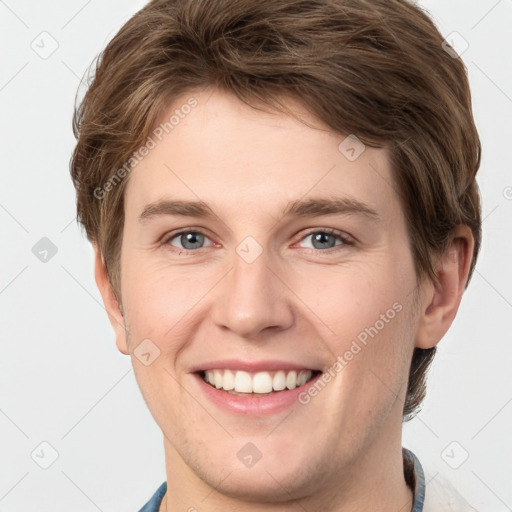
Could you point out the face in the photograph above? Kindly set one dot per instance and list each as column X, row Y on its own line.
column 259, row 253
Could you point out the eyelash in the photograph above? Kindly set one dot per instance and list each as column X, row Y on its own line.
column 345, row 240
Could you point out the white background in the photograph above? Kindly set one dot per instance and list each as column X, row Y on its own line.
column 61, row 378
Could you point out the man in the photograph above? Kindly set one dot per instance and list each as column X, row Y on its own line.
column 283, row 205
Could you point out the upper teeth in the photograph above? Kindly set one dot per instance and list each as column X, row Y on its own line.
column 260, row 382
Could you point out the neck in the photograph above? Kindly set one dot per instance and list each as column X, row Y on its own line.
column 374, row 480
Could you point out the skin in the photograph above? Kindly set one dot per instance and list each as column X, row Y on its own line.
column 342, row 450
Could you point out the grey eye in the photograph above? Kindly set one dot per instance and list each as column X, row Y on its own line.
column 189, row 240
column 322, row 240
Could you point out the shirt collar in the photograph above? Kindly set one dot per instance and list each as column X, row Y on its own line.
column 415, row 478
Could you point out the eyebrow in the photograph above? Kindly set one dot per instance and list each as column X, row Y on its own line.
column 313, row 207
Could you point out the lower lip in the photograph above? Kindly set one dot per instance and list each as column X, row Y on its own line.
column 253, row 405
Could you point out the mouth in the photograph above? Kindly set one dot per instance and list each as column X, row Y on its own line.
column 255, row 388
column 256, row 384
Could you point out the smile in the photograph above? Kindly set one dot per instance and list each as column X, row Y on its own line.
column 260, row 383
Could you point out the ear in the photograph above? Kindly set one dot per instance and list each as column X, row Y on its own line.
column 440, row 301
column 110, row 301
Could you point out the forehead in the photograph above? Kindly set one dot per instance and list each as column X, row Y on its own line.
column 230, row 155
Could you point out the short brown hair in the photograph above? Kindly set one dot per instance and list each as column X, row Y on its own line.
column 374, row 68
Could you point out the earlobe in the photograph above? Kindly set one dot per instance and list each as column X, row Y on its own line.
column 440, row 300
column 110, row 301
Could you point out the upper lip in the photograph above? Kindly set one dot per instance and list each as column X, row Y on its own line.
column 250, row 366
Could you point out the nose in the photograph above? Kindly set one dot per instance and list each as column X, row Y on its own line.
column 253, row 298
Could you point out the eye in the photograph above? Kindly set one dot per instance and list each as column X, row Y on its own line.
column 326, row 239
column 321, row 239
column 188, row 240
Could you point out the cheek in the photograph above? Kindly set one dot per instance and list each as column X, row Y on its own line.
column 157, row 294
column 166, row 304
column 365, row 316
column 353, row 301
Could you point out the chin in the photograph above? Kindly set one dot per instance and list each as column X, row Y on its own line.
column 277, row 477
column 274, row 486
